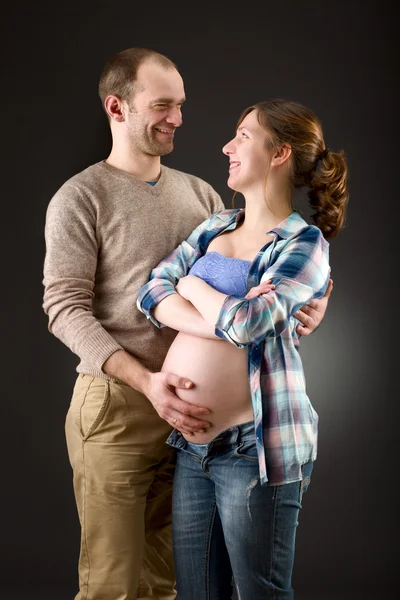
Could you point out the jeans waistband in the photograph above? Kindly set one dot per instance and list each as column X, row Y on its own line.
column 232, row 435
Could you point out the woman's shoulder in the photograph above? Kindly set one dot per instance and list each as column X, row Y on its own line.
column 297, row 229
column 226, row 215
column 311, row 235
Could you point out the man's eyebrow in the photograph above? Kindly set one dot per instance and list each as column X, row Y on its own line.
column 167, row 101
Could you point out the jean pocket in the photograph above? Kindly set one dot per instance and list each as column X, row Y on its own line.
column 247, row 450
column 94, row 400
column 305, row 482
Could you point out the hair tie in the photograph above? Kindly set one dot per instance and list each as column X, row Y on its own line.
column 324, row 153
column 321, row 156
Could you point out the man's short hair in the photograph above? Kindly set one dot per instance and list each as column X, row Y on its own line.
column 120, row 72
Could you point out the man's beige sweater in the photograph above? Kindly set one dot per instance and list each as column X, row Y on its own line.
column 105, row 231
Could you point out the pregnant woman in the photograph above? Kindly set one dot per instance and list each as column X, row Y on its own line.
column 241, row 276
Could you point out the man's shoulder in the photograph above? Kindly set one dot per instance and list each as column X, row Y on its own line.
column 87, row 178
column 91, row 186
column 78, row 192
column 193, row 180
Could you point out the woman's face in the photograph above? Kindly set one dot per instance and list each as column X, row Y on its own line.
column 249, row 157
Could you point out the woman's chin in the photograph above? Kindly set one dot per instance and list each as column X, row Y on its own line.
column 232, row 184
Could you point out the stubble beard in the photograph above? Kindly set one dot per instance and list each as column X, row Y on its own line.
column 146, row 143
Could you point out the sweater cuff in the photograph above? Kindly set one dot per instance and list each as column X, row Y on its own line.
column 98, row 347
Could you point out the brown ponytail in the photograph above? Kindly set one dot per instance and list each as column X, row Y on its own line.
column 328, row 194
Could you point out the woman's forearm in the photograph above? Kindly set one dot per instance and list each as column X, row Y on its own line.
column 180, row 314
column 203, row 297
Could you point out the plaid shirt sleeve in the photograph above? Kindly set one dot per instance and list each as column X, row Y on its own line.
column 164, row 277
column 300, row 273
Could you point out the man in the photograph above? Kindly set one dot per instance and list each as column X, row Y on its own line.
column 106, row 228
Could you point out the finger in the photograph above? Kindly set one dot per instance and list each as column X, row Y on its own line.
column 179, row 382
column 252, row 294
column 258, row 290
column 175, row 407
column 187, row 433
column 187, row 423
column 266, row 284
column 169, row 406
column 303, row 330
column 305, row 319
column 305, row 310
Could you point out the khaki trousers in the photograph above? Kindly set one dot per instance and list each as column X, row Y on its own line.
column 123, row 472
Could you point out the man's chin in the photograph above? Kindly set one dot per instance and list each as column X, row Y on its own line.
column 165, row 149
column 157, row 149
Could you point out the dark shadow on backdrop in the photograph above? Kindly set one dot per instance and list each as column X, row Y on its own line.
column 339, row 60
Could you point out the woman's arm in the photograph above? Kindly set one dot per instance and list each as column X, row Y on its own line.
column 194, row 291
column 177, row 264
column 206, row 300
column 300, row 273
column 177, row 313
column 312, row 314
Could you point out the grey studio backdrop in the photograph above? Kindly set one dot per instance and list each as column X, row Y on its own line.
column 338, row 59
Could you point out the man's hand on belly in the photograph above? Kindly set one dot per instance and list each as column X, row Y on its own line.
column 160, row 390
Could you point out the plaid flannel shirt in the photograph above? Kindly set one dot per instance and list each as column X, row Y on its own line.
column 297, row 262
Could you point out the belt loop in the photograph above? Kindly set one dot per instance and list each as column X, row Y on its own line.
column 234, row 434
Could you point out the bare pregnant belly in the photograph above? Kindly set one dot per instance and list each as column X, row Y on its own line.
column 219, row 373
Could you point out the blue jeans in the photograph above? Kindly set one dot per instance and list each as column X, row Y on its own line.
column 225, row 523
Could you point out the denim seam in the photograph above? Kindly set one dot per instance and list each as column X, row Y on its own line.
column 244, row 456
column 208, row 548
column 273, row 541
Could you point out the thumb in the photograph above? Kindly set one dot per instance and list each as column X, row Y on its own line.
column 329, row 289
column 179, row 382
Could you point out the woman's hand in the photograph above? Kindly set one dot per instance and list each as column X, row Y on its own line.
column 258, row 290
column 310, row 315
column 186, row 286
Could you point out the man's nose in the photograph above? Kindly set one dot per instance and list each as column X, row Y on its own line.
column 174, row 117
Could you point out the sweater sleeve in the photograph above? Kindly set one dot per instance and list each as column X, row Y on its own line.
column 216, row 201
column 69, row 276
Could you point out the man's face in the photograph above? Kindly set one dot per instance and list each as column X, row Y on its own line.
column 155, row 109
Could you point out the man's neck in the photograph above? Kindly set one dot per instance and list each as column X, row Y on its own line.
column 142, row 166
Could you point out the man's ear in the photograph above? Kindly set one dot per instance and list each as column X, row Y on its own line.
column 114, row 108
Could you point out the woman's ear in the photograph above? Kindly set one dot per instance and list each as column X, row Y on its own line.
column 281, row 155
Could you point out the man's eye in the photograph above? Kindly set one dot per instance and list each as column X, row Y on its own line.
column 161, row 106
column 242, row 134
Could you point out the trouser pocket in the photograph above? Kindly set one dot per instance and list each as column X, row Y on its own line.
column 89, row 403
